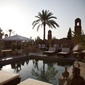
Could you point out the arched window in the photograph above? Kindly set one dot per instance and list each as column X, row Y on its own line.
column 77, row 23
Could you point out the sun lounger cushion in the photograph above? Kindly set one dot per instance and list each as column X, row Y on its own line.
column 75, row 52
column 48, row 51
column 6, row 76
column 33, row 82
column 63, row 53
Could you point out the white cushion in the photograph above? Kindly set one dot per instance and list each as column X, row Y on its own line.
column 63, row 53
column 48, row 51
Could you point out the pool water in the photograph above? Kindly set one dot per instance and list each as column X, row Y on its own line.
column 46, row 71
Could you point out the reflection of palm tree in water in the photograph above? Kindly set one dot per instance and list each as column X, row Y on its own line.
column 27, row 62
column 35, row 64
column 47, row 75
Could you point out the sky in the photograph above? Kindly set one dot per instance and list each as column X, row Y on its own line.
column 18, row 15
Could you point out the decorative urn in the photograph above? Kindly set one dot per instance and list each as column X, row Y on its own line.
column 77, row 79
column 65, row 74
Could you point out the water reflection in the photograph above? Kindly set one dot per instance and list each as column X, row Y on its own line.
column 46, row 75
column 47, row 71
column 17, row 66
column 35, row 64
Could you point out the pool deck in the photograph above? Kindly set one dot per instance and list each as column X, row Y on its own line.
column 34, row 55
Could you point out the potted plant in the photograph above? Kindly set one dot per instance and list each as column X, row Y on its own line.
column 13, row 47
column 19, row 50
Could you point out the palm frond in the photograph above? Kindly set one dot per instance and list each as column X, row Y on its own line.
column 34, row 25
column 49, row 24
column 53, row 22
column 52, row 17
column 37, row 17
column 38, row 27
column 36, row 21
column 76, row 38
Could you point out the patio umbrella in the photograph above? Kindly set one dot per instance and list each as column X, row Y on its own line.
column 17, row 38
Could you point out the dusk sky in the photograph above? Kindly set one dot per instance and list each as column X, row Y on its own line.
column 18, row 15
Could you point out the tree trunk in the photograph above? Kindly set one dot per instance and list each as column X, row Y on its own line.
column 44, row 32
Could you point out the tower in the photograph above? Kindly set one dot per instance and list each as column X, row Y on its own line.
column 77, row 26
column 49, row 35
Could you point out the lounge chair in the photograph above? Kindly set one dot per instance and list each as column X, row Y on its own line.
column 77, row 50
column 51, row 50
column 8, row 78
column 64, row 51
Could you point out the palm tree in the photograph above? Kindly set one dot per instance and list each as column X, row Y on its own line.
column 45, row 18
column 1, row 32
column 10, row 31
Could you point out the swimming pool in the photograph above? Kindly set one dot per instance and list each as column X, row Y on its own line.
column 47, row 71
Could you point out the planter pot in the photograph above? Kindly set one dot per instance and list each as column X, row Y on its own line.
column 14, row 52
column 19, row 51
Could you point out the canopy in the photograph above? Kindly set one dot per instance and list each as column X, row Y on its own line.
column 17, row 37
